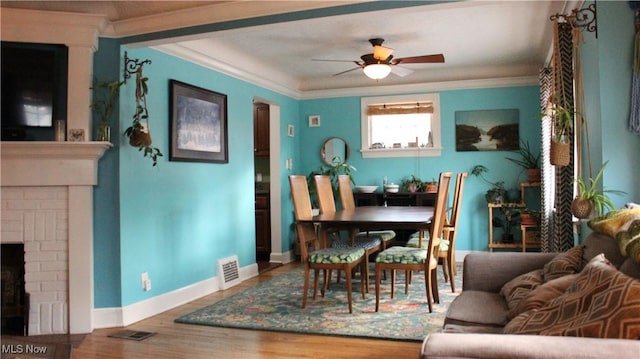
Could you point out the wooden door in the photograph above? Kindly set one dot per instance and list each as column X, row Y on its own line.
column 261, row 129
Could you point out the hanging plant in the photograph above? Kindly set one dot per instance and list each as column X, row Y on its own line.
column 139, row 132
column 561, row 128
column 590, row 198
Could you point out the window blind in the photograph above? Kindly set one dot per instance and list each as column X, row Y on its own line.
column 400, row 108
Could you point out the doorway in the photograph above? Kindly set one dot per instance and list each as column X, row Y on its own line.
column 261, row 150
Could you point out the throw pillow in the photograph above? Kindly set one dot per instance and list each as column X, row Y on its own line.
column 540, row 296
column 519, row 287
column 629, row 241
column 615, row 221
column 569, row 262
column 601, row 303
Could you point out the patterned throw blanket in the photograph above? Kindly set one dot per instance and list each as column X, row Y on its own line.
column 624, row 226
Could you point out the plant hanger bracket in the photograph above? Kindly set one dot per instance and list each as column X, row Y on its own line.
column 584, row 19
column 131, row 66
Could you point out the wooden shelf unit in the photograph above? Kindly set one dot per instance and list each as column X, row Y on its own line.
column 530, row 233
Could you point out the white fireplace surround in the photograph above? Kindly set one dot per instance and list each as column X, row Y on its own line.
column 73, row 166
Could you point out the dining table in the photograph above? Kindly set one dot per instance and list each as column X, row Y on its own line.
column 369, row 218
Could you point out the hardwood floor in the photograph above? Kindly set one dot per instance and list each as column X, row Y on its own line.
column 175, row 340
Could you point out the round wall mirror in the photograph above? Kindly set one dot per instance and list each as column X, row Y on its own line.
column 334, row 151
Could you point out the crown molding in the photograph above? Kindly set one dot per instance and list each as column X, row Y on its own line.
column 71, row 29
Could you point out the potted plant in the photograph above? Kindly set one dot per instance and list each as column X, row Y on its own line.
column 529, row 217
column 105, row 95
column 509, row 218
column 529, row 161
column 139, row 133
column 411, row 184
column 590, row 198
column 431, row 186
column 496, row 193
column 338, row 167
column 561, row 127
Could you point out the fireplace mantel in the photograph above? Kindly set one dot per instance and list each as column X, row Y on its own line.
column 62, row 163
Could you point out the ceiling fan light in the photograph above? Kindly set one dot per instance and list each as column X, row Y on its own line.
column 377, row 71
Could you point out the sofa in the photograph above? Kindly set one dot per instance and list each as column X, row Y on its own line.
column 576, row 304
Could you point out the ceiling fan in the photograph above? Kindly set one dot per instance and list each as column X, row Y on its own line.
column 381, row 62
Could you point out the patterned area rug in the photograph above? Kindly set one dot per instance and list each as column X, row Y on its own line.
column 276, row 305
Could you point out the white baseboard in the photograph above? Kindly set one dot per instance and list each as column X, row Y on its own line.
column 124, row 316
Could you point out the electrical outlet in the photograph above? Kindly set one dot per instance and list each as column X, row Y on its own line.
column 146, row 281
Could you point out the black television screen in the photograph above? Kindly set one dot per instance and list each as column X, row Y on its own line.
column 34, row 85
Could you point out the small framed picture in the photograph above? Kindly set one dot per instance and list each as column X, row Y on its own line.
column 291, row 130
column 76, row 135
column 314, row 121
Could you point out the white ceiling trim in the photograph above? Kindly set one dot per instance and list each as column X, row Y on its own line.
column 211, row 14
column 422, row 87
column 285, row 86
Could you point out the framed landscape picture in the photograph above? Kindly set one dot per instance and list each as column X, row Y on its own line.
column 487, row 130
column 198, row 124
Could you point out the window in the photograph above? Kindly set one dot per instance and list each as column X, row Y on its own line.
column 401, row 126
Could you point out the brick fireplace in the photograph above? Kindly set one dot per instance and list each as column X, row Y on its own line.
column 47, row 205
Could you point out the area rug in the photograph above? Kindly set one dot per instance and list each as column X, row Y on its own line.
column 275, row 305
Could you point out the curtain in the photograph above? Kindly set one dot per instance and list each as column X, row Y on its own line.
column 557, row 220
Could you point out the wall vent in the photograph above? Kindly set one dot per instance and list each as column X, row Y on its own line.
column 228, row 272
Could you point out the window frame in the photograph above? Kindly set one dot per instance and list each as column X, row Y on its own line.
column 365, row 130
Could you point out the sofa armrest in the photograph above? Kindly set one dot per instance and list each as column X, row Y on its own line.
column 496, row 346
column 490, row 271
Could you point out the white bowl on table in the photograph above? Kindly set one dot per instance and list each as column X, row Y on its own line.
column 366, row 189
column 391, row 188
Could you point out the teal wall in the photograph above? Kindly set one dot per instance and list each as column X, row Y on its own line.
column 341, row 117
column 177, row 219
column 106, row 199
column 608, row 63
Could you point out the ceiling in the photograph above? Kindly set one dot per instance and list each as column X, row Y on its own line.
column 479, row 39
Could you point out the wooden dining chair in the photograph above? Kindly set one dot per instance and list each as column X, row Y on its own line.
column 348, row 202
column 410, row 259
column 369, row 242
column 447, row 249
column 314, row 257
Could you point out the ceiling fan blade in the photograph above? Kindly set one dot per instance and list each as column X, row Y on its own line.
column 401, row 71
column 381, row 53
column 344, row 72
column 424, row 59
column 333, row 60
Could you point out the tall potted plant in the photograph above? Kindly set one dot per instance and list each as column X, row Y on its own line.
column 590, row 198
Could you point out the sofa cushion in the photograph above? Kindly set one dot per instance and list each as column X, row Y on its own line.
column 631, row 268
column 544, row 293
column 569, row 262
column 477, row 308
column 601, row 303
column 519, row 287
column 597, row 243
